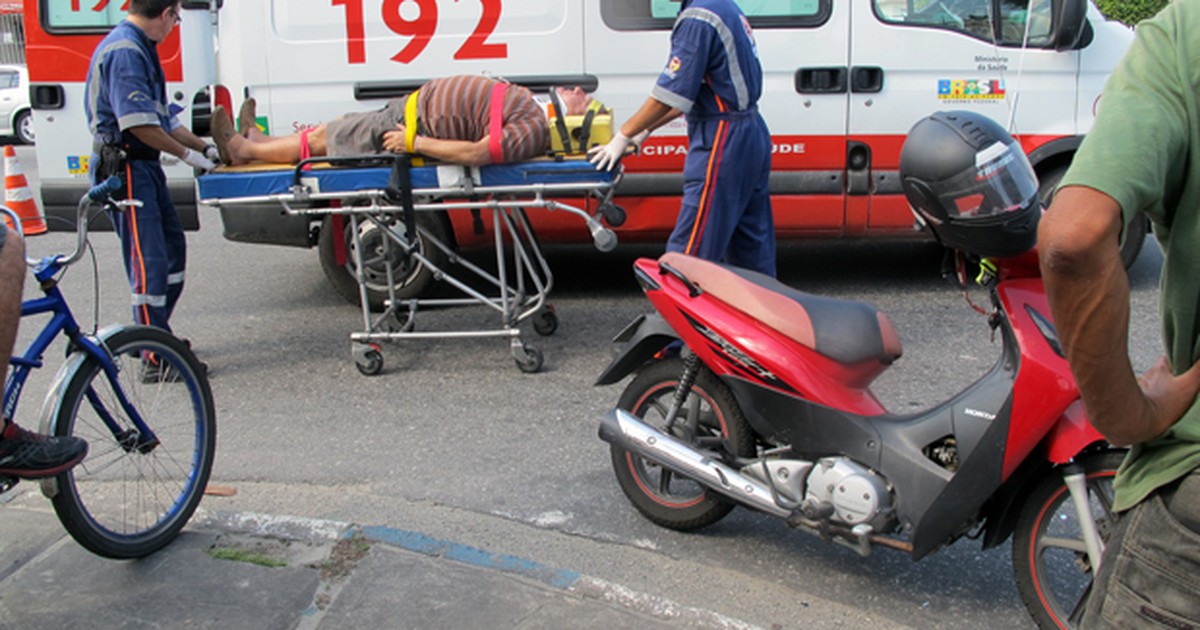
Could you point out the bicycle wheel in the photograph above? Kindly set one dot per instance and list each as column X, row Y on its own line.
column 134, row 492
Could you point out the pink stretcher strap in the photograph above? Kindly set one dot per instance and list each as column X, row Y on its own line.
column 305, row 150
column 496, row 128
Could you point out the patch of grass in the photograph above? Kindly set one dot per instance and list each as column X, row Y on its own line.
column 243, row 555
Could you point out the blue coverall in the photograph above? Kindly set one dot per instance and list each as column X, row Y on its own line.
column 126, row 88
column 715, row 78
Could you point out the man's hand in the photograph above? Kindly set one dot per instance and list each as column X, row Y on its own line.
column 607, row 156
column 393, row 141
column 1168, row 397
column 197, row 161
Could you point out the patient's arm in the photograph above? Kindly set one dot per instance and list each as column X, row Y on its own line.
column 462, row 152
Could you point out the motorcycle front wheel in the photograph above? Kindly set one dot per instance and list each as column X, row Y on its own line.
column 666, row 498
column 1050, row 560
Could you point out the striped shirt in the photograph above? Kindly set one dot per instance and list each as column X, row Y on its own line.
column 459, row 108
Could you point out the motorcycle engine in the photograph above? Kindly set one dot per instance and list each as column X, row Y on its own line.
column 853, row 493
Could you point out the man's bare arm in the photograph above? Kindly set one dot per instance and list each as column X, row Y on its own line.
column 1088, row 291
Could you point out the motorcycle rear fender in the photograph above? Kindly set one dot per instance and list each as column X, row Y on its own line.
column 637, row 343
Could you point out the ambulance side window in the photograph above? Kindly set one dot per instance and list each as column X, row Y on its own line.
column 72, row 16
column 650, row 15
column 1016, row 25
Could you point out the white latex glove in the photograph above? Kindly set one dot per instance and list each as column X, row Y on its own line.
column 211, row 152
column 637, row 140
column 607, row 156
column 195, row 160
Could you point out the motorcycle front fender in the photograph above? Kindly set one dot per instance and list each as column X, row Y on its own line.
column 637, row 343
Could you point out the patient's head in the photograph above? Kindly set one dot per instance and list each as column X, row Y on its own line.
column 574, row 100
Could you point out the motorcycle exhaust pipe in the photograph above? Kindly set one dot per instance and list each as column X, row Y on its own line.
column 622, row 429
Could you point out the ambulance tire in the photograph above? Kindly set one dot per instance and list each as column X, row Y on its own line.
column 1136, row 232
column 411, row 280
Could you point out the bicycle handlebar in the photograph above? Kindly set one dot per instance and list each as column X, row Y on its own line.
column 100, row 193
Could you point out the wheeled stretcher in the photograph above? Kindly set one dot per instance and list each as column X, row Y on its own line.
column 388, row 192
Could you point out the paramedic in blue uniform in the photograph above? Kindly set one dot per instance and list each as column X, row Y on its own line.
column 714, row 78
column 132, row 125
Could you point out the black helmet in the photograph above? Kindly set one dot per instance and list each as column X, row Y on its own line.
column 971, row 183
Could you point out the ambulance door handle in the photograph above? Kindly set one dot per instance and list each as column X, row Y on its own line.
column 830, row 80
column 866, row 79
column 47, row 96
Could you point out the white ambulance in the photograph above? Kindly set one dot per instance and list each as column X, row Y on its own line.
column 844, row 81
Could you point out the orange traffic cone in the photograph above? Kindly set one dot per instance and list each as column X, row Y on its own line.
column 18, row 196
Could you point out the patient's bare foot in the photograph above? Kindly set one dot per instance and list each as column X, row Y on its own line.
column 248, row 118
column 224, row 135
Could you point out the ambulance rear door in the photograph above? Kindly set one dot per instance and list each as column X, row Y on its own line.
column 910, row 58
column 308, row 61
column 803, row 50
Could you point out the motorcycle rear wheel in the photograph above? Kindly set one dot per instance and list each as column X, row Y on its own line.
column 1053, row 572
column 668, row 499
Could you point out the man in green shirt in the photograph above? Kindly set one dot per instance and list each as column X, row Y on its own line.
column 1142, row 155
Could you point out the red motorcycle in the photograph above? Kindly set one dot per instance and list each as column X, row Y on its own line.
column 749, row 392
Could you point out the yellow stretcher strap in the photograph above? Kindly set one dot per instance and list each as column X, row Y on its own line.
column 410, row 126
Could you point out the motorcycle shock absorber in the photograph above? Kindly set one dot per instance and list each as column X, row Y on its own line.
column 691, row 369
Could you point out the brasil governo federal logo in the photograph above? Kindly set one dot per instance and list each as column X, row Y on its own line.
column 971, row 89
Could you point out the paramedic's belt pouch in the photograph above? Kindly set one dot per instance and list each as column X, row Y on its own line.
column 582, row 132
column 111, row 161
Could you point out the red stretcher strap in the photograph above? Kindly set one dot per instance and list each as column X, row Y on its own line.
column 305, row 150
column 496, row 128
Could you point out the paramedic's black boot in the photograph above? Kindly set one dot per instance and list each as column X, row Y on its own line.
column 155, row 371
column 28, row 455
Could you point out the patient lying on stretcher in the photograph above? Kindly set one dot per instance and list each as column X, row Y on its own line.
column 454, row 123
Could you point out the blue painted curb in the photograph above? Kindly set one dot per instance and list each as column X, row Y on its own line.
column 436, row 547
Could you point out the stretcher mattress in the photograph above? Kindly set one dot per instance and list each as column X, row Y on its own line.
column 269, row 179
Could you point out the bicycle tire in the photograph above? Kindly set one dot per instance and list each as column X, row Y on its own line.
column 127, row 498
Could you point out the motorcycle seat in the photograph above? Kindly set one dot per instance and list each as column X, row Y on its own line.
column 843, row 330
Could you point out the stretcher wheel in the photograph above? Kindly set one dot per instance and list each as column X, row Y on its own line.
column 369, row 362
column 546, row 321
column 613, row 214
column 531, row 361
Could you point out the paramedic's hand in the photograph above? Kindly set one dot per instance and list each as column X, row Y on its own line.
column 195, row 160
column 607, row 156
column 211, row 152
column 637, row 140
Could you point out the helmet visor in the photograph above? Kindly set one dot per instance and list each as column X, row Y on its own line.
column 1000, row 181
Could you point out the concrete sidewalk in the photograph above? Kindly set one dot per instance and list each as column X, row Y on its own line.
column 237, row 570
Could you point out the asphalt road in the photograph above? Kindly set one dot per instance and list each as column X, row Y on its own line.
column 452, row 439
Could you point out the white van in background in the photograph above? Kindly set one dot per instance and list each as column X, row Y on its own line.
column 16, row 116
column 844, row 81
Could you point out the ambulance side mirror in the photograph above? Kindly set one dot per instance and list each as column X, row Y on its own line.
column 1072, row 30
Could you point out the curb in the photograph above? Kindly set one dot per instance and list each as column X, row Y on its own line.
column 569, row 582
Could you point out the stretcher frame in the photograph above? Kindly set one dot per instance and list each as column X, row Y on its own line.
column 518, row 292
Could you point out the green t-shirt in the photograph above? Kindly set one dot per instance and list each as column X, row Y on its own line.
column 1144, row 152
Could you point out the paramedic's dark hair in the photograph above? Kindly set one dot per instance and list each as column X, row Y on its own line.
column 151, row 8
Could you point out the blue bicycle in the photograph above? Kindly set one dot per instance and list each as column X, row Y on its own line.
column 141, row 400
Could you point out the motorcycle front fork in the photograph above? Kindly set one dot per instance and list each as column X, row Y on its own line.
column 1076, row 480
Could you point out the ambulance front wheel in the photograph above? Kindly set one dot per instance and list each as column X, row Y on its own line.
column 411, row 277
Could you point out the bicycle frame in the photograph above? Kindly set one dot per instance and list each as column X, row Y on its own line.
column 62, row 321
